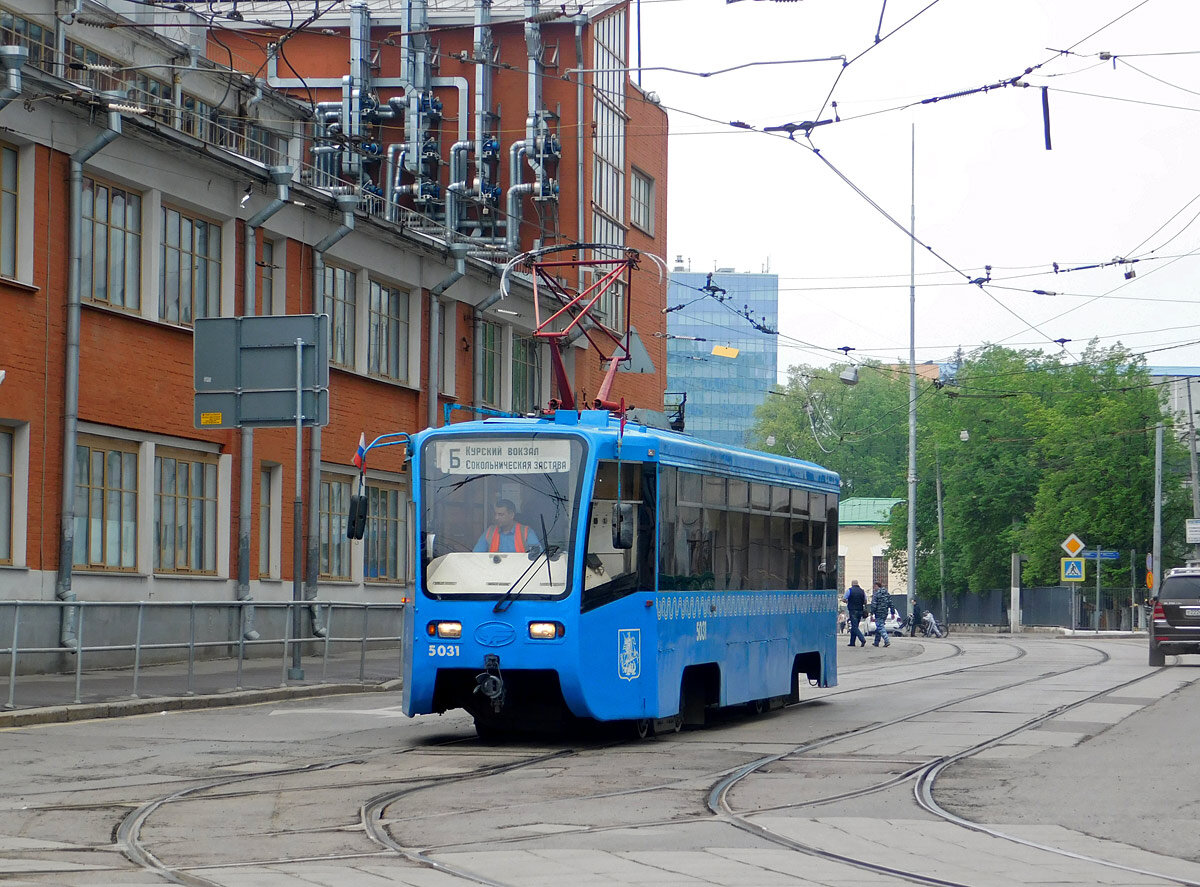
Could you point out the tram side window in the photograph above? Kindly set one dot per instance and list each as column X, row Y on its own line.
column 831, row 534
column 803, row 572
column 727, row 534
column 668, row 514
column 617, row 572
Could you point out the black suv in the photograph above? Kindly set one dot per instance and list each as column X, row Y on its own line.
column 1175, row 627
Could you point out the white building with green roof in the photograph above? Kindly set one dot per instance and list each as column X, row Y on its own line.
column 862, row 548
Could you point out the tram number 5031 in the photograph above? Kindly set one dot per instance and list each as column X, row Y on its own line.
column 701, row 630
column 443, row 650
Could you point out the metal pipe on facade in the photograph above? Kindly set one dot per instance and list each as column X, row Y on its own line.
column 347, row 203
column 394, row 165
column 11, row 60
column 580, row 21
column 459, row 183
column 482, row 47
column 477, row 390
column 280, row 176
column 516, row 190
column 459, row 252
column 68, row 635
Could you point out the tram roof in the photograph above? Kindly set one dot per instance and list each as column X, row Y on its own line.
column 681, row 450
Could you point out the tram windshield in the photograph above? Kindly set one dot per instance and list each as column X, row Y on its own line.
column 498, row 513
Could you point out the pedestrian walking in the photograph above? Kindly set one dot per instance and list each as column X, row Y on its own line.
column 881, row 603
column 856, row 606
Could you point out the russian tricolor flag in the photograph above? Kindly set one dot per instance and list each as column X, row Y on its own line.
column 360, row 457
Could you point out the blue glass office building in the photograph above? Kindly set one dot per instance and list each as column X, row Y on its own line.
column 722, row 392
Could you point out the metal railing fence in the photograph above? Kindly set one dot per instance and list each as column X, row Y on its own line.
column 182, row 632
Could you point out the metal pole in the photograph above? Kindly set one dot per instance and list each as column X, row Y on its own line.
column 137, row 647
column 79, row 652
column 191, row 675
column 1156, row 552
column 941, row 534
column 1195, row 473
column 12, row 665
column 362, row 656
column 1132, row 587
column 328, row 633
column 296, row 673
column 1096, row 612
column 241, row 643
column 912, row 387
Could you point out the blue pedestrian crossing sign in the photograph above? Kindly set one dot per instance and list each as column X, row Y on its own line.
column 1071, row 570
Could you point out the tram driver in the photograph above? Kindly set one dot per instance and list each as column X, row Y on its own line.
column 505, row 534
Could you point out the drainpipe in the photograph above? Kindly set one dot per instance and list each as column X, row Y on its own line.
column 347, row 203
column 477, row 391
column 459, row 252
column 11, row 59
column 67, row 635
column 280, row 176
column 580, row 21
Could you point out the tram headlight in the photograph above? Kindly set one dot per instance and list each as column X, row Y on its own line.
column 546, row 631
column 444, row 629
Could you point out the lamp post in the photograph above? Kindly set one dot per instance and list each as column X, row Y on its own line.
column 912, row 384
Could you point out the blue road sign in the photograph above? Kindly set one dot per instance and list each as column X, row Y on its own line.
column 1105, row 555
column 1071, row 569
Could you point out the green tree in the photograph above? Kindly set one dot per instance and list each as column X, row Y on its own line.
column 858, row 431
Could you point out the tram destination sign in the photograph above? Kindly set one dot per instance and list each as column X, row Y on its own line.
column 500, row 456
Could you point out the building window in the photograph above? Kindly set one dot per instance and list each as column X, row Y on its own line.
column 526, row 374
column 18, row 31
column 106, row 505
column 446, row 353
column 387, row 351
column 190, row 278
column 6, row 496
column 490, row 345
column 8, row 211
column 384, row 556
column 185, row 514
column 111, row 263
column 335, row 547
column 266, row 278
column 641, row 201
column 879, row 573
column 265, row 517
column 339, row 302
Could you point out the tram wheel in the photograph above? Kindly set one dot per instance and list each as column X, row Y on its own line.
column 643, row 728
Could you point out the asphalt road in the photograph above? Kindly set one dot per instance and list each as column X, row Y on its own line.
column 1049, row 743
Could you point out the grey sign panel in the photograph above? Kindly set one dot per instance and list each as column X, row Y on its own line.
column 245, row 370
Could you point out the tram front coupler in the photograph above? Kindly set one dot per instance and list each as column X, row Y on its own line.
column 490, row 682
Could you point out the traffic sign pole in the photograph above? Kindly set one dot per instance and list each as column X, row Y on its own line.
column 1096, row 612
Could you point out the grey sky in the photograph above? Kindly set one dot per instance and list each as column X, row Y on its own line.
column 987, row 191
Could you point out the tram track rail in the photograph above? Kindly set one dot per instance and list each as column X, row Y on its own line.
column 377, row 826
column 924, row 777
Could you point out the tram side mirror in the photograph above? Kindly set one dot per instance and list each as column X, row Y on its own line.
column 429, row 537
column 622, row 525
column 356, row 522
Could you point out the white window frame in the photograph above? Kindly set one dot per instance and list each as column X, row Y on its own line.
column 274, row 528
column 18, row 502
column 24, row 212
column 641, row 212
column 212, row 469
column 398, row 485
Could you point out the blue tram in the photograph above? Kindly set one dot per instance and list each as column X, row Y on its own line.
column 581, row 566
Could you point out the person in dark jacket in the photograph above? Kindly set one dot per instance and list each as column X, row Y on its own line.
column 881, row 604
column 856, row 608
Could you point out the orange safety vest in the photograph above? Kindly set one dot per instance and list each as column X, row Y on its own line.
column 520, row 534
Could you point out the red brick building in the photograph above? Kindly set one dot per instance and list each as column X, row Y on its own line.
column 135, row 146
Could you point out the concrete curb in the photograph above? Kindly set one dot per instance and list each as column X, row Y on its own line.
column 120, row 708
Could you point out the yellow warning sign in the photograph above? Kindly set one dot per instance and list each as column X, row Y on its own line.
column 211, row 418
column 724, row 351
